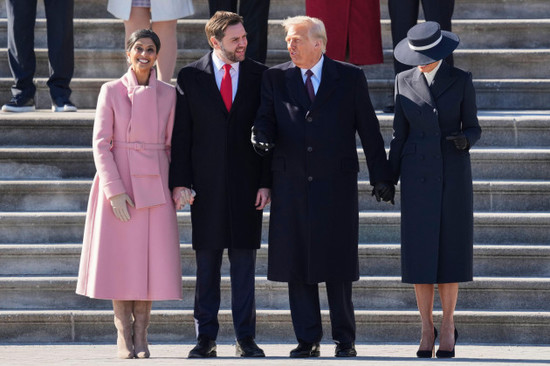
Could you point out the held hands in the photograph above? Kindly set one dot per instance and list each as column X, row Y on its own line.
column 118, row 203
column 182, row 196
column 460, row 141
column 260, row 143
column 263, row 198
column 384, row 192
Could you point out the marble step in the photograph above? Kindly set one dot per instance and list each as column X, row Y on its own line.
column 483, row 63
column 474, row 33
column 528, row 128
column 77, row 162
column 370, row 293
column 374, row 227
column 492, row 94
column 171, row 326
column 491, row 260
column 72, row 196
column 279, row 9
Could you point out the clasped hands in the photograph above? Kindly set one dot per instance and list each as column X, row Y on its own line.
column 182, row 196
column 384, row 191
column 261, row 145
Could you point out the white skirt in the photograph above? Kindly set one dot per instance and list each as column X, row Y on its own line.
column 161, row 10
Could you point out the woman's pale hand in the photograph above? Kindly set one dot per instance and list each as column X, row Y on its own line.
column 118, row 203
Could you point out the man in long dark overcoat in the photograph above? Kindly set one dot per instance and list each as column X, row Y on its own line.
column 311, row 110
column 217, row 99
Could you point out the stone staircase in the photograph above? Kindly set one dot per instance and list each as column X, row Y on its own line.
column 46, row 169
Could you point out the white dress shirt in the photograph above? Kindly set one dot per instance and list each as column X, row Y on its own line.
column 317, row 70
column 219, row 72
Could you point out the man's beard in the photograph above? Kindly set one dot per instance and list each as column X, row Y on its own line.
column 231, row 56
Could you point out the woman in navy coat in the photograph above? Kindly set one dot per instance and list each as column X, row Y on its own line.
column 435, row 125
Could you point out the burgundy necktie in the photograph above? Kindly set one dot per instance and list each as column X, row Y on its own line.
column 226, row 88
column 309, row 86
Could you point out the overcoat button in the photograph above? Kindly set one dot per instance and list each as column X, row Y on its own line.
column 309, row 179
column 309, row 119
column 309, row 149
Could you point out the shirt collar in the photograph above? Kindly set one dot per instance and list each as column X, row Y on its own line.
column 218, row 63
column 317, row 69
column 431, row 75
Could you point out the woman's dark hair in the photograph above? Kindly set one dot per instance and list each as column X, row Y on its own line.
column 143, row 33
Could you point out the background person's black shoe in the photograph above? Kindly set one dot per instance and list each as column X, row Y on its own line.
column 345, row 350
column 306, row 350
column 246, row 347
column 390, row 108
column 19, row 105
column 205, row 347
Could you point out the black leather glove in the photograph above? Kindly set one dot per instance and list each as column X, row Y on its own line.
column 260, row 142
column 460, row 141
column 384, row 191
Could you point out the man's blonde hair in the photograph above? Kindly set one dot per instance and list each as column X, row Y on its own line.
column 316, row 27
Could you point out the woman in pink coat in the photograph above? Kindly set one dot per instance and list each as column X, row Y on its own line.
column 131, row 248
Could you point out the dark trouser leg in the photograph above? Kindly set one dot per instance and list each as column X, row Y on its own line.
column 342, row 317
column 21, row 19
column 228, row 5
column 305, row 311
column 255, row 14
column 59, row 15
column 440, row 11
column 207, row 292
column 403, row 15
column 243, row 304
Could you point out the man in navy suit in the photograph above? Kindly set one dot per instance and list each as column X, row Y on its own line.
column 21, row 19
column 217, row 100
column 311, row 110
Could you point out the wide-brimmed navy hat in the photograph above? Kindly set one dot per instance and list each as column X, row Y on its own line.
column 425, row 43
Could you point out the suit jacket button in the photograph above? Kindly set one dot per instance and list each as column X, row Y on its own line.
column 309, row 179
column 309, row 119
column 309, row 149
column 435, row 111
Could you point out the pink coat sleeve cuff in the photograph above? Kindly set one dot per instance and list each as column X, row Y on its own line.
column 113, row 188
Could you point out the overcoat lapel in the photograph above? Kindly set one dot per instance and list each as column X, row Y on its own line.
column 328, row 83
column 443, row 80
column 296, row 87
column 419, row 85
column 207, row 80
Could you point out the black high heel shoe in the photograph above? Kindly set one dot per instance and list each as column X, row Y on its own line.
column 447, row 354
column 427, row 353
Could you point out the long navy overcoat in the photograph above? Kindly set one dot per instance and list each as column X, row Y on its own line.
column 436, row 178
column 313, row 231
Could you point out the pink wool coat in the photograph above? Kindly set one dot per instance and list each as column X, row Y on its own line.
column 138, row 259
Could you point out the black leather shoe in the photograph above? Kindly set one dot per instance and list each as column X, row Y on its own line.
column 388, row 108
column 345, row 350
column 305, row 350
column 205, row 347
column 246, row 347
